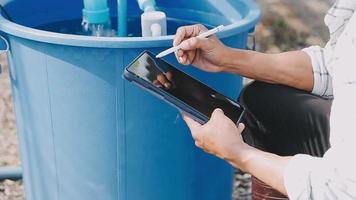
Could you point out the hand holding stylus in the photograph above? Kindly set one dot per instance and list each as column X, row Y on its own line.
column 201, row 35
column 203, row 53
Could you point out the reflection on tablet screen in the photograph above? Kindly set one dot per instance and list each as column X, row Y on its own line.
column 183, row 87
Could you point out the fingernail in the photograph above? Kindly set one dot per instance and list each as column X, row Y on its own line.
column 174, row 43
column 167, row 85
column 219, row 110
column 180, row 59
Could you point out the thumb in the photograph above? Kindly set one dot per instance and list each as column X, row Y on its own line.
column 218, row 113
column 193, row 125
column 193, row 43
column 241, row 127
column 240, row 130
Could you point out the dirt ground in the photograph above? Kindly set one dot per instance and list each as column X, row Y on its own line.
column 286, row 25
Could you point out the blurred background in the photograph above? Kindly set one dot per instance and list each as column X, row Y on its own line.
column 286, row 25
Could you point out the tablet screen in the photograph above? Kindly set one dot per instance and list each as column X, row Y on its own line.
column 183, row 87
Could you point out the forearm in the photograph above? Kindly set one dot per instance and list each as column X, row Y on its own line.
column 293, row 68
column 267, row 167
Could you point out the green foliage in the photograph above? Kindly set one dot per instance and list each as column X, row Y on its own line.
column 285, row 37
column 280, row 35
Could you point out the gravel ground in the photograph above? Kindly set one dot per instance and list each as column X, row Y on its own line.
column 9, row 153
column 286, row 25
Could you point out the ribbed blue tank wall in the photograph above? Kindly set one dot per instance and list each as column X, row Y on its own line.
column 85, row 133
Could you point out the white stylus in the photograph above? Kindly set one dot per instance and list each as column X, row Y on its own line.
column 202, row 35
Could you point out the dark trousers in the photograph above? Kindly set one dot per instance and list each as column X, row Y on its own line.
column 285, row 121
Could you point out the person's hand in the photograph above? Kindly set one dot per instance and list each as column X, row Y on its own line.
column 164, row 80
column 219, row 136
column 204, row 53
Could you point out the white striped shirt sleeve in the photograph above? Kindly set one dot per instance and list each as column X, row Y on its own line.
column 322, row 78
column 336, row 20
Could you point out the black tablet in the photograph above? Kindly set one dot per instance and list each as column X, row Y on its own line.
column 179, row 89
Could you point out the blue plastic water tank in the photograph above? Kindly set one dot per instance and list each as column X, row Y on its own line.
column 85, row 133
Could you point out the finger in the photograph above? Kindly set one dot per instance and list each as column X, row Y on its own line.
column 182, row 60
column 188, row 61
column 156, row 83
column 198, row 144
column 192, row 43
column 191, row 56
column 187, row 57
column 241, row 127
column 187, row 32
column 217, row 116
column 217, row 113
column 240, row 130
column 185, row 60
column 208, row 151
column 201, row 28
column 169, row 76
column 179, row 54
column 192, row 124
column 182, row 32
column 163, row 80
column 180, row 35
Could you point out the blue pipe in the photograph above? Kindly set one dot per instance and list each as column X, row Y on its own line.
column 96, row 11
column 12, row 173
column 122, row 18
column 147, row 5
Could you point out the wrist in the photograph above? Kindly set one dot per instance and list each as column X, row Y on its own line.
column 233, row 59
column 240, row 156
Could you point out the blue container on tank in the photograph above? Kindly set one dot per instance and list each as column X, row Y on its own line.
column 86, row 133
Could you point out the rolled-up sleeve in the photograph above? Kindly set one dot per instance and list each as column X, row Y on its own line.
column 322, row 77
